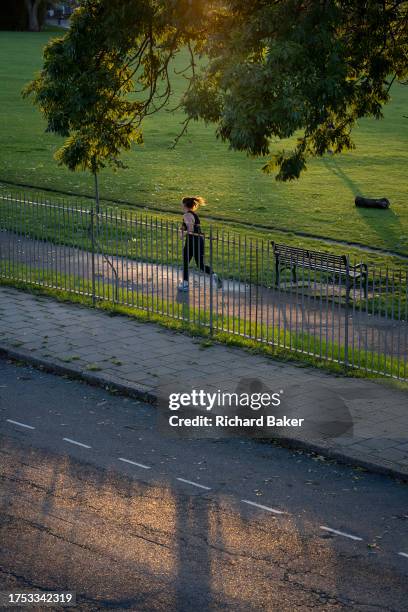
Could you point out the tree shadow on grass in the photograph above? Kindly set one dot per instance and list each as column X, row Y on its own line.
column 384, row 222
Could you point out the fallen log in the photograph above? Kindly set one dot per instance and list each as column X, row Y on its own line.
column 371, row 202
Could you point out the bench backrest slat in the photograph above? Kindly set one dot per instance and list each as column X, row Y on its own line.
column 326, row 259
column 315, row 259
column 290, row 254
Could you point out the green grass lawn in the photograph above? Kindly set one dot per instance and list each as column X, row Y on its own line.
column 320, row 203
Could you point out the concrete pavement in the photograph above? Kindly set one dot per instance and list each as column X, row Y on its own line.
column 355, row 420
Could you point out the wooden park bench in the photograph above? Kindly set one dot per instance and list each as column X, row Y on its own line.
column 335, row 265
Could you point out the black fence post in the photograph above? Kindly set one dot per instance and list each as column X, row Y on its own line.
column 346, row 316
column 211, row 284
column 93, row 256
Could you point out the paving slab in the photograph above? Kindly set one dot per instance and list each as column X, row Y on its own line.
column 354, row 420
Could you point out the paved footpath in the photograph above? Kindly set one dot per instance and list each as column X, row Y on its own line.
column 360, row 421
column 296, row 310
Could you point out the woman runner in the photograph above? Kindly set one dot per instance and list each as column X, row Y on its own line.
column 194, row 243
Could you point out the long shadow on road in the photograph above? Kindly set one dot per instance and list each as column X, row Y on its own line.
column 132, row 544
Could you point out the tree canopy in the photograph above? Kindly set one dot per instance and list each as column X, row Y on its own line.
column 311, row 68
column 268, row 70
column 108, row 72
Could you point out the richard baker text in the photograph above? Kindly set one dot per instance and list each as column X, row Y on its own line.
column 234, row 421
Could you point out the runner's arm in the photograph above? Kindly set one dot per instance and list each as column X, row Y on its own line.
column 188, row 222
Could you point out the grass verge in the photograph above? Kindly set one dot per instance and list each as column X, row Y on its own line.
column 295, row 347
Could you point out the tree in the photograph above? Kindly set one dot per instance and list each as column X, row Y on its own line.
column 106, row 74
column 311, row 68
column 32, row 7
column 22, row 14
column 271, row 69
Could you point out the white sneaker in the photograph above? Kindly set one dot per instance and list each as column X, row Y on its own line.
column 183, row 286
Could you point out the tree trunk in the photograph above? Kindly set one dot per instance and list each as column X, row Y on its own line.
column 371, row 202
column 32, row 10
column 96, row 192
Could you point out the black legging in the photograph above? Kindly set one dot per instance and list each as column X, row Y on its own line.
column 194, row 247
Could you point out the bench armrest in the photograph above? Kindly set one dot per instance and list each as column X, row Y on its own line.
column 362, row 266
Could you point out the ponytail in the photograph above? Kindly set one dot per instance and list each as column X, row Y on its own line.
column 194, row 202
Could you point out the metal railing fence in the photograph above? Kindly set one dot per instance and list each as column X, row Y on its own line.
column 137, row 260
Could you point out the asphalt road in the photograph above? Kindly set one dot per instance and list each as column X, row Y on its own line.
column 95, row 501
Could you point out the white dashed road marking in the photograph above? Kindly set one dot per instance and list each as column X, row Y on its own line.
column 77, row 443
column 200, row 486
column 145, row 467
column 20, row 424
column 340, row 533
column 194, row 484
column 267, row 508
